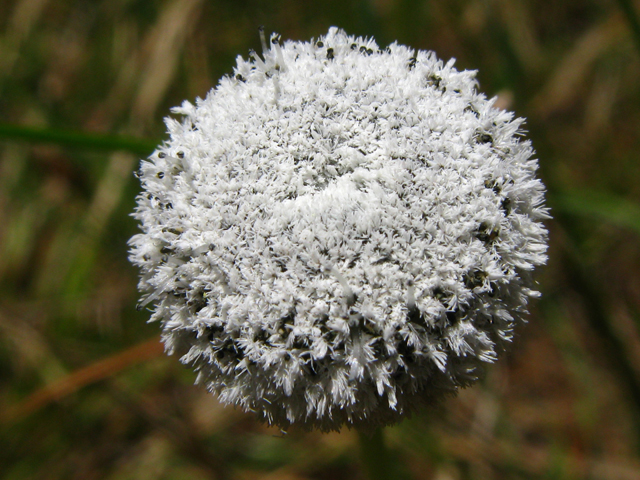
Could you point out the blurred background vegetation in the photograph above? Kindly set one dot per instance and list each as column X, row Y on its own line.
column 85, row 391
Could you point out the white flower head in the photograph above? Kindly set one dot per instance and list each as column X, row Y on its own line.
column 338, row 234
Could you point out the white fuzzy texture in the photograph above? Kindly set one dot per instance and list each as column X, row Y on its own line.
column 338, row 234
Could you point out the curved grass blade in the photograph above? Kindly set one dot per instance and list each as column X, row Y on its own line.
column 84, row 376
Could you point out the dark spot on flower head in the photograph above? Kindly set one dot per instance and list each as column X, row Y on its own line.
column 354, row 260
column 414, row 315
column 369, row 326
column 281, row 264
column 239, row 351
column 329, row 335
column 162, row 155
column 330, row 54
column 319, row 44
column 412, row 61
column 451, row 316
column 160, row 175
column 180, row 154
column 175, row 231
column 230, row 349
column 492, row 184
column 146, row 257
column 486, row 233
column 398, row 373
column 354, row 46
column 383, row 259
column 213, row 331
column 434, row 81
column 338, row 347
column 404, row 348
column 288, row 319
column 351, row 299
column 261, row 335
column 506, row 205
column 311, row 369
column 240, row 78
column 441, row 295
column 379, row 349
column 300, row 343
column 197, row 302
column 474, row 279
column 484, row 138
column 472, row 109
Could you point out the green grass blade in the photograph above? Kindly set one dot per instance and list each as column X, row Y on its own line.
column 90, row 141
column 605, row 206
column 632, row 18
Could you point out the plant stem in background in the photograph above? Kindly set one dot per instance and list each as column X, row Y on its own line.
column 375, row 455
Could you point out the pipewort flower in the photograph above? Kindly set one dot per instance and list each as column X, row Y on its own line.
column 338, row 234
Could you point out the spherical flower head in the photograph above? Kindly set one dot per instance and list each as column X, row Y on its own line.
column 339, row 234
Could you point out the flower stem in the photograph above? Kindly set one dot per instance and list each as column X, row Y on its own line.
column 375, row 455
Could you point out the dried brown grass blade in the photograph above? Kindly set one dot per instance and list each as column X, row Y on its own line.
column 73, row 382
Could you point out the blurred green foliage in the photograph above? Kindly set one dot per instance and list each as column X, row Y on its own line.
column 84, row 393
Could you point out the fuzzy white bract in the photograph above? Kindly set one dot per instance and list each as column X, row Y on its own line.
column 339, row 234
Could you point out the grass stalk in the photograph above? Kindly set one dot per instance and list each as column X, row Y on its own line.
column 89, row 141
